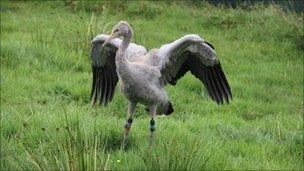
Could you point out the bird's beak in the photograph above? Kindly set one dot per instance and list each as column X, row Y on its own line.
column 111, row 37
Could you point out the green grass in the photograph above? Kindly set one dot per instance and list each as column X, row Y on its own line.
column 48, row 123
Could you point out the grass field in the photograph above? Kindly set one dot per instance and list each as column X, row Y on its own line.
column 47, row 121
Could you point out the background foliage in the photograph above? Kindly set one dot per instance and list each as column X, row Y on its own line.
column 48, row 123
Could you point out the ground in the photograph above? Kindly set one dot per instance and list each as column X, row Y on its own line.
column 47, row 121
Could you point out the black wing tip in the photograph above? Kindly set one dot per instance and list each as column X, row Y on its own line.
column 224, row 82
column 93, row 81
column 225, row 102
column 99, row 93
column 104, row 74
column 217, row 85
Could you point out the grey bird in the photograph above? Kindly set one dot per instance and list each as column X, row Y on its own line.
column 143, row 75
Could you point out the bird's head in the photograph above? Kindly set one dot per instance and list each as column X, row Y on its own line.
column 121, row 29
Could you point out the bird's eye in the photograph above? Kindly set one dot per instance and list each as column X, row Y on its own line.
column 116, row 30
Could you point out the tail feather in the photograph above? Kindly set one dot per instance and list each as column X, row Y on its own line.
column 166, row 109
column 170, row 109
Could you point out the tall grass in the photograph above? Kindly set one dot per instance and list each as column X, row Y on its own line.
column 47, row 122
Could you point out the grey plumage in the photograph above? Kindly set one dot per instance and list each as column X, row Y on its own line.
column 144, row 75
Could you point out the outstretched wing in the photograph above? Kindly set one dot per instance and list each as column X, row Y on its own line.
column 105, row 77
column 192, row 53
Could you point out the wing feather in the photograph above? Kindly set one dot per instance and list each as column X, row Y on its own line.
column 224, row 80
column 104, row 73
column 104, row 87
column 109, row 87
column 192, row 53
column 218, row 85
column 93, row 89
column 215, row 86
column 225, row 92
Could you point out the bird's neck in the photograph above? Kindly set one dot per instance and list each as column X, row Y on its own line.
column 125, row 42
column 123, row 47
column 121, row 60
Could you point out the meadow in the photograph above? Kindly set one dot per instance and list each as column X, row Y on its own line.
column 48, row 123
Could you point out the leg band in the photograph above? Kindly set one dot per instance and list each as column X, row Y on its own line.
column 152, row 125
column 129, row 123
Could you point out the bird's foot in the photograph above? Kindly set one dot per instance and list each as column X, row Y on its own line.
column 124, row 142
column 127, row 130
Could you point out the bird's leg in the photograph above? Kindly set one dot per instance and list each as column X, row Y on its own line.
column 131, row 109
column 152, row 123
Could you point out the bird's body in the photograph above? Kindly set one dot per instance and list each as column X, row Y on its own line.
column 141, row 85
column 140, row 81
column 144, row 75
